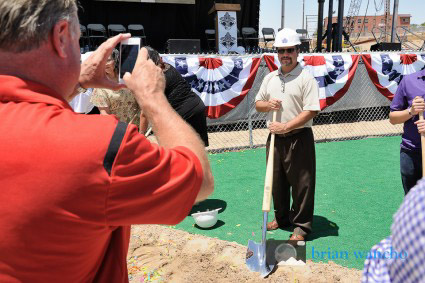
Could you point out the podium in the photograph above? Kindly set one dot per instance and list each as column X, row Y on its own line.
column 226, row 26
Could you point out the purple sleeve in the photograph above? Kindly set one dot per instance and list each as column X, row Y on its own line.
column 399, row 101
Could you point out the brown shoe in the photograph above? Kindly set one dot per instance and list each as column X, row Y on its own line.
column 296, row 237
column 272, row 225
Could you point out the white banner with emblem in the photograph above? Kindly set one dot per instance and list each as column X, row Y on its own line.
column 227, row 31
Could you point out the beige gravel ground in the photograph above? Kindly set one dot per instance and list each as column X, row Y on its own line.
column 162, row 254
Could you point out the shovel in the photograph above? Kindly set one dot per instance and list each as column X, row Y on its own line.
column 256, row 253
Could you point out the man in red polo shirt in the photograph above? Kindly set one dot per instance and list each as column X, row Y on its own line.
column 71, row 185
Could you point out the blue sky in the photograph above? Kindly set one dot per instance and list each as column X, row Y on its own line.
column 270, row 11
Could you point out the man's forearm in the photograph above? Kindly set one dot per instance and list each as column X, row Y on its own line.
column 399, row 117
column 143, row 123
column 301, row 119
column 262, row 106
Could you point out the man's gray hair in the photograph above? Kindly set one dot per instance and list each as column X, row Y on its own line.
column 25, row 24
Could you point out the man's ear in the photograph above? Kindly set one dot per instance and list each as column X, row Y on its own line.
column 60, row 37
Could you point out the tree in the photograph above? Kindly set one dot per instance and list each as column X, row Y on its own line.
column 423, row 24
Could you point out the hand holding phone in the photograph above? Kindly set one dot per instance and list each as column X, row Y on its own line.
column 92, row 74
column 147, row 82
column 129, row 50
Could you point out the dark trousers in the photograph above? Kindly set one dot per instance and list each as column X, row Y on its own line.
column 294, row 167
column 410, row 168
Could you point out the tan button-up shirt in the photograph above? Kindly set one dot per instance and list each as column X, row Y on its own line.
column 298, row 91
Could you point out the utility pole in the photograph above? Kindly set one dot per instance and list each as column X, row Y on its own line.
column 395, row 21
column 283, row 14
column 303, row 12
column 387, row 16
column 340, row 24
column 329, row 28
column 320, row 25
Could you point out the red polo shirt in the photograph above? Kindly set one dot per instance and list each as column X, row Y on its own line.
column 71, row 185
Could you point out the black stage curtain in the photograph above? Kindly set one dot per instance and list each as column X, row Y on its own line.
column 166, row 21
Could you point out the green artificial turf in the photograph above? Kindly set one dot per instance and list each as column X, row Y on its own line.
column 358, row 189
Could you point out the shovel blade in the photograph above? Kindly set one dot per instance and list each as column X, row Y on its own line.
column 256, row 258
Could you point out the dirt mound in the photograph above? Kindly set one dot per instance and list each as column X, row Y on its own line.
column 162, row 254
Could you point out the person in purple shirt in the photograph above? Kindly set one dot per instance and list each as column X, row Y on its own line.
column 407, row 103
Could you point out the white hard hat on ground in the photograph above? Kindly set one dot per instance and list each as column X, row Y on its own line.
column 286, row 38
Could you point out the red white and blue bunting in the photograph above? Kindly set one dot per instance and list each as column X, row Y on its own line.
column 221, row 82
column 333, row 73
column 387, row 69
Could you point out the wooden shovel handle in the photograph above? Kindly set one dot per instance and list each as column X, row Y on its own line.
column 268, row 183
column 421, row 117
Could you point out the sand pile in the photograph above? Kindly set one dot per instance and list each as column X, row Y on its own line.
column 162, row 254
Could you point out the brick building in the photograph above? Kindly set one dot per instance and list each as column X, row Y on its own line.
column 366, row 24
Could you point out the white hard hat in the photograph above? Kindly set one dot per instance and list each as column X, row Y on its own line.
column 287, row 37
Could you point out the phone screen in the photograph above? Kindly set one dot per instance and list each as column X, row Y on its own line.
column 128, row 58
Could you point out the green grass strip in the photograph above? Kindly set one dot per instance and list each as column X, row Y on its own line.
column 358, row 189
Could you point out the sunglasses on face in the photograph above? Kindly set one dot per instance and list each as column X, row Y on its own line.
column 287, row 50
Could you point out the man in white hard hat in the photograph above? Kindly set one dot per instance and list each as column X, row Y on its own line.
column 294, row 94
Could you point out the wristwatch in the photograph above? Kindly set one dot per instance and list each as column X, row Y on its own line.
column 409, row 110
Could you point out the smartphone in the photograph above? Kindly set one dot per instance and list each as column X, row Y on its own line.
column 129, row 49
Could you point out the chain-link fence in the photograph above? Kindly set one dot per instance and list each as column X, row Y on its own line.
column 362, row 112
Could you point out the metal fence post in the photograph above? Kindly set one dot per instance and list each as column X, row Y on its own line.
column 251, row 141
